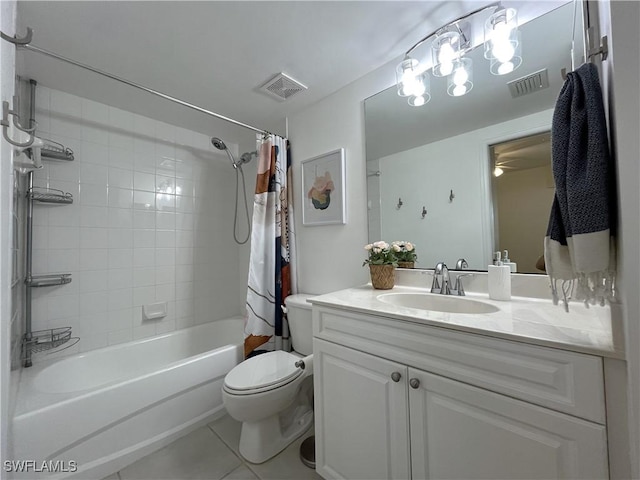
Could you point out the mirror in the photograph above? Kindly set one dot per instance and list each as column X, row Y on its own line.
column 430, row 169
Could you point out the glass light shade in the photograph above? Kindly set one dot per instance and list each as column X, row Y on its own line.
column 508, row 59
column 445, row 50
column 501, row 37
column 406, row 76
column 420, row 91
column 460, row 82
column 497, row 172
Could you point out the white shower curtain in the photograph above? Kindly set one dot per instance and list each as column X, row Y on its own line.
column 272, row 265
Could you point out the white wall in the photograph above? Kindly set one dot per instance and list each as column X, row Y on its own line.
column 7, row 86
column 624, row 38
column 425, row 176
column 330, row 257
column 151, row 221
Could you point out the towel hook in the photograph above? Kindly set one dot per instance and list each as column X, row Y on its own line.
column 424, row 212
column 451, row 196
column 19, row 41
column 399, row 205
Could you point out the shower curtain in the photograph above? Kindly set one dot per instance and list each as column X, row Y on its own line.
column 271, row 267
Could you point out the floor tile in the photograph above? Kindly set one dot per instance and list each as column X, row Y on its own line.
column 241, row 473
column 199, row 455
column 228, row 429
column 286, row 465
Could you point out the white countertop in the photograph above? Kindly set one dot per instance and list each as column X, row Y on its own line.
column 596, row 330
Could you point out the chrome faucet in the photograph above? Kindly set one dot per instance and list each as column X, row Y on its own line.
column 461, row 264
column 442, row 270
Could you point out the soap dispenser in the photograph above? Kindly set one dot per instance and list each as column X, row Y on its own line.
column 499, row 279
column 505, row 261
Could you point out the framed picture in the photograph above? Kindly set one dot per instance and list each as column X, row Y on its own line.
column 323, row 194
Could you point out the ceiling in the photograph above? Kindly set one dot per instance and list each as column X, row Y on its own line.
column 217, row 54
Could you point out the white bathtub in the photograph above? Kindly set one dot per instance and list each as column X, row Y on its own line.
column 106, row 408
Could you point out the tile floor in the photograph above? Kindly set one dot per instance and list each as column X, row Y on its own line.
column 211, row 453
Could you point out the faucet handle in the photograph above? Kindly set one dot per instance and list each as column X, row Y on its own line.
column 459, row 288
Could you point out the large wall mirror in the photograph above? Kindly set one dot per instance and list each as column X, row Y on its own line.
column 431, row 170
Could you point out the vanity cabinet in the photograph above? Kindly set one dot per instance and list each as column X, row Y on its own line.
column 399, row 400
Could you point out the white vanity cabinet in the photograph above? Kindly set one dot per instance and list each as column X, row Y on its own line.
column 399, row 400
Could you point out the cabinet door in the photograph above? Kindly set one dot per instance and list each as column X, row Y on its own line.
column 460, row 431
column 361, row 415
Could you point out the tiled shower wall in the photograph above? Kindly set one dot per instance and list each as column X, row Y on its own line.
column 152, row 220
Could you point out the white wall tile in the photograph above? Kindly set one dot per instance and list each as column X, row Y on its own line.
column 128, row 239
column 120, row 257
column 120, row 278
column 94, row 259
column 120, row 197
column 93, row 237
column 120, row 178
column 92, row 281
column 95, row 174
column 120, row 218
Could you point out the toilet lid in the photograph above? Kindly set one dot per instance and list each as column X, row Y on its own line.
column 266, row 370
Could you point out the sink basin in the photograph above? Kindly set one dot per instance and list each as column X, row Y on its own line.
column 437, row 303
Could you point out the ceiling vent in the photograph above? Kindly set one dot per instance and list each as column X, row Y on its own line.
column 282, row 87
column 529, row 84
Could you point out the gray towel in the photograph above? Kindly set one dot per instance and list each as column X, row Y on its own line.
column 579, row 248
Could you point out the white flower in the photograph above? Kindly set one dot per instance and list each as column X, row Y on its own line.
column 377, row 249
column 368, row 247
column 381, row 244
column 396, row 248
column 409, row 246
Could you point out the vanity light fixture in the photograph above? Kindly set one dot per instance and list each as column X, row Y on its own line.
column 448, row 49
column 497, row 172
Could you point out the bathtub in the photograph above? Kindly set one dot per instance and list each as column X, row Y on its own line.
column 99, row 411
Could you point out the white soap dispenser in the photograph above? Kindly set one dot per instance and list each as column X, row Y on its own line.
column 505, row 261
column 499, row 279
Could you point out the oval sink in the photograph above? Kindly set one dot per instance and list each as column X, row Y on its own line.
column 437, row 303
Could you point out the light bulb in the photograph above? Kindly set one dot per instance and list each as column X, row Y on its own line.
column 503, row 50
column 497, row 172
column 446, row 54
column 417, row 101
column 460, row 76
column 505, row 68
column 459, row 90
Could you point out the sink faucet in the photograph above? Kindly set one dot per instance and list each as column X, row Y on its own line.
column 461, row 264
column 442, row 270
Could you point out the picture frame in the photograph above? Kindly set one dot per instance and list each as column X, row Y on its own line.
column 323, row 189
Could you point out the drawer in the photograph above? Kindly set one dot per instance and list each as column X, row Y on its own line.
column 564, row 381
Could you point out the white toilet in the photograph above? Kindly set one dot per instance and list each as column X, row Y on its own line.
column 270, row 395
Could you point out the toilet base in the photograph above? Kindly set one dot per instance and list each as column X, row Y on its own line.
column 260, row 441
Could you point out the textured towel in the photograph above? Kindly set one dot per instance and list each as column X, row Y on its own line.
column 579, row 247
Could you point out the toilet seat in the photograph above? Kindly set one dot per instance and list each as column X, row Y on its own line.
column 262, row 373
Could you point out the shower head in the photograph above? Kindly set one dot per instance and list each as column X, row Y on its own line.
column 219, row 144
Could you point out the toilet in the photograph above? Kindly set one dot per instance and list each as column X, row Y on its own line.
column 270, row 395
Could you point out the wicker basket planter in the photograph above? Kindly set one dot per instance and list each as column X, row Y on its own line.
column 406, row 264
column 382, row 276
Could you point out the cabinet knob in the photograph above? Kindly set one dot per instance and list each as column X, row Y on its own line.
column 395, row 376
column 414, row 382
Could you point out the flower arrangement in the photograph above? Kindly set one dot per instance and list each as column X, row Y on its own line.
column 380, row 253
column 404, row 251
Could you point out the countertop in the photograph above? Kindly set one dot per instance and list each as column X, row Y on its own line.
column 595, row 330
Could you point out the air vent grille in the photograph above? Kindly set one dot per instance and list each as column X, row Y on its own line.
column 529, row 84
column 282, row 87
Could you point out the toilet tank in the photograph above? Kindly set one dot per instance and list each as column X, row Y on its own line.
column 299, row 315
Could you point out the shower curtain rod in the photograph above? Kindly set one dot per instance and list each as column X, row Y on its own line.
column 21, row 43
